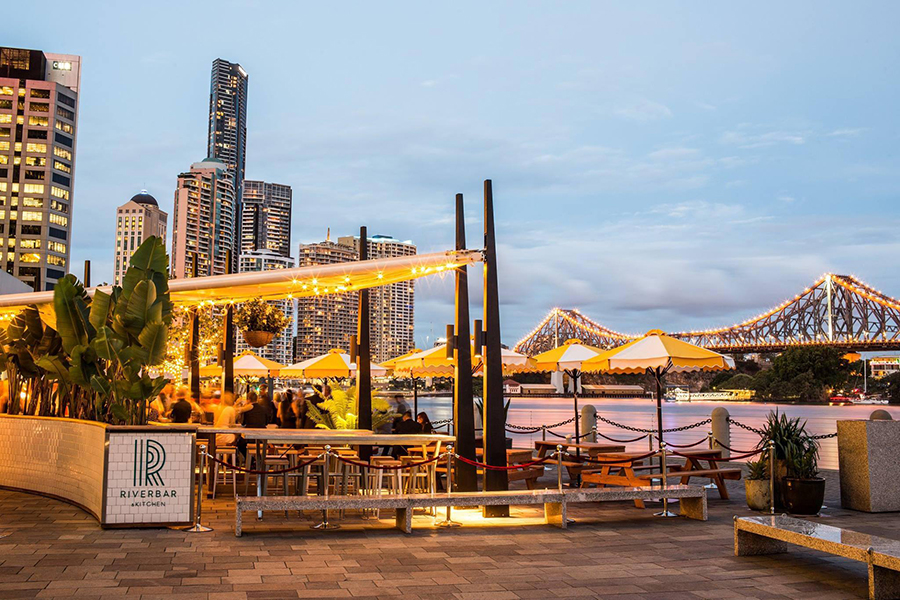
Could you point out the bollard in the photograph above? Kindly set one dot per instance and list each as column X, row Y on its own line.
column 771, row 445
column 589, row 421
column 665, row 483
column 559, row 467
column 198, row 528
column 326, row 475
column 880, row 415
column 711, row 442
column 448, row 522
column 721, row 428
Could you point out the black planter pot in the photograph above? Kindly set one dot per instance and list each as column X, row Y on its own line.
column 803, row 496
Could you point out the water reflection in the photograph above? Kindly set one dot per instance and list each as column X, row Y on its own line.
column 642, row 413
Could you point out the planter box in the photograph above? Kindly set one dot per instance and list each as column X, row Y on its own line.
column 123, row 476
column 869, row 459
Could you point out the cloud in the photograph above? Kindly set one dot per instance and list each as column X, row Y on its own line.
column 644, row 110
column 847, row 132
column 786, row 199
column 743, row 139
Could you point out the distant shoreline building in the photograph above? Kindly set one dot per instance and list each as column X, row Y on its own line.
column 39, row 99
column 280, row 348
column 324, row 322
column 227, row 139
column 392, row 306
column 136, row 220
column 203, row 221
column 266, row 217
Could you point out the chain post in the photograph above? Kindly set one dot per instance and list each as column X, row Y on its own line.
column 543, row 433
column 771, row 445
column 709, row 436
column 665, row 483
column 559, row 467
column 197, row 527
column 448, row 521
column 326, row 476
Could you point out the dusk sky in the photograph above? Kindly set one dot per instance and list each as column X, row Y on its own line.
column 661, row 165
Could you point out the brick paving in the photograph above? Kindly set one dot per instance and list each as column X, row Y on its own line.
column 614, row 551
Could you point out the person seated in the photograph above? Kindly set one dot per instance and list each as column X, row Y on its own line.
column 424, row 423
column 181, row 409
column 159, row 407
column 255, row 417
column 405, row 426
column 226, row 418
column 287, row 419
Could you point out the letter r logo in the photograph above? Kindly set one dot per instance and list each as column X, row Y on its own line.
column 149, row 459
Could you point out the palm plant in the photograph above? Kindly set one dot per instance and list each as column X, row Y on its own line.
column 340, row 411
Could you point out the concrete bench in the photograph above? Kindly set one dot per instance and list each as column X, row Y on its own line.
column 693, row 502
column 772, row 534
column 403, row 504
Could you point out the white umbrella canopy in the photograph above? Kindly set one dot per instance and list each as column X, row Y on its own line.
column 335, row 363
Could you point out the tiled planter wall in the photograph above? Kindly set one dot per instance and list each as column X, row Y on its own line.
column 124, row 476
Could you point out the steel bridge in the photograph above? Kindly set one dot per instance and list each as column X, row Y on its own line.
column 837, row 310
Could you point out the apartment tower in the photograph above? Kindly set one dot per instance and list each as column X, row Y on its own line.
column 227, row 140
column 266, row 217
column 392, row 307
column 328, row 321
column 203, row 221
column 136, row 220
column 38, row 121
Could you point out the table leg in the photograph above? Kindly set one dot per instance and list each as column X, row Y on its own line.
column 261, row 478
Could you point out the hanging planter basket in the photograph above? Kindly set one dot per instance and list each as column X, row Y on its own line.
column 258, row 339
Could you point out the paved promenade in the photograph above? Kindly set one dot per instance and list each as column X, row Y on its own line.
column 614, row 551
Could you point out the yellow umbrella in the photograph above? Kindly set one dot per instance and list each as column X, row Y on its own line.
column 335, row 363
column 569, row 359
column 657, row 353
column 435, row 363
column 248, row 364
column 391, row 364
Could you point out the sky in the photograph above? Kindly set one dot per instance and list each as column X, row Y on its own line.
column 655, row 165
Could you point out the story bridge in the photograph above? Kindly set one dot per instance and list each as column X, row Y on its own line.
column 837, row 310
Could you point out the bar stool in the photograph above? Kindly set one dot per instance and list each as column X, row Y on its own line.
column 226, row 454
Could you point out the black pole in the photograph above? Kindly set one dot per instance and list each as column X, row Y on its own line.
column 364, row 353
column 494, row 417
column 659, row 422
column 575, row 375
column 415, row 396
column 463, row 403
column 195, row 342
column 228, row 334
column 87, row 274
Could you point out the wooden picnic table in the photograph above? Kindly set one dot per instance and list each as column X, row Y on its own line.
column 622, row 472
column 592, row 448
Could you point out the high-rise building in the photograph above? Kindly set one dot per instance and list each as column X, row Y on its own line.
column 279, row 349
column 136, row 220
column 38, row 121
column 227, row 139
column 203, row 221
column 392, row 307
column 266, row 217
column 325, row 322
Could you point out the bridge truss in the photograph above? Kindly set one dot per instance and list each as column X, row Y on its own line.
column 837, row 310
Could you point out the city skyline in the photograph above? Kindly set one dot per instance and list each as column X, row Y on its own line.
column 702, row 188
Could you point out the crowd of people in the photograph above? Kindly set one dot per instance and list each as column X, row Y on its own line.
column 256, row 409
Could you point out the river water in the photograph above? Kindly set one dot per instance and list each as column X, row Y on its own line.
column 642, row 413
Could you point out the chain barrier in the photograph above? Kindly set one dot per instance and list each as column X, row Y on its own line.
column 824, row 436
column 758, row 432
column 730, row 458
column 729, row 448
column 612, row 461
column 682, row 446
column 365, row 465
column 653, row 431
column 255, row 472
column 515, row 467
column 628, row 441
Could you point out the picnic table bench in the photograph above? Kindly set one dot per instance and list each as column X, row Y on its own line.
column 772, row 534
column 693, row 502
column 623, row 471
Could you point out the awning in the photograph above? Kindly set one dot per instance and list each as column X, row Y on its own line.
column 279, row 284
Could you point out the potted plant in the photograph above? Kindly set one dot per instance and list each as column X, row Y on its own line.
column 789, row 435
column 756, row 485
column 803, row 490
column 260, row 321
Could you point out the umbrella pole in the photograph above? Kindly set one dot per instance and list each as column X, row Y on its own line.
column 659, row 422
column 575, row 375
column 415, row 397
